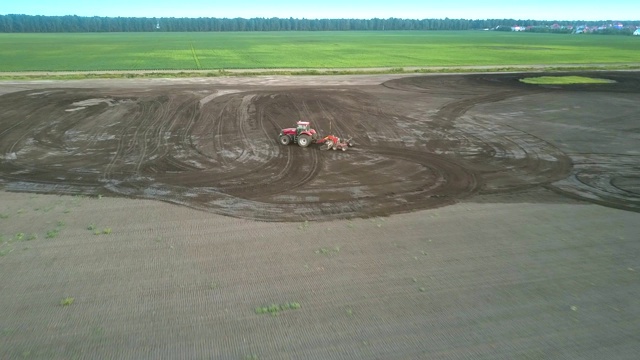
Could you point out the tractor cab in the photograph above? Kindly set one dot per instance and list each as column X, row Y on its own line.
column 302, row 126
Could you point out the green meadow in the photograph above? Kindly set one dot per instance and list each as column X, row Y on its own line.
column 306, row 50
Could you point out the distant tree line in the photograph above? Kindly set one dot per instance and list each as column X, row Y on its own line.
column 14, row 23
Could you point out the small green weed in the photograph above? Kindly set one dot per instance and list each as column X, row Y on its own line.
column 32, row 237
column 8, row 331
column 52, row 233
column 67, row 301
column 274, row 309
column 60, row 223
column 327, row 251
column 4, row 216
column 5, row 251
column 304, row 226
column 19, row 236
column 96, row 231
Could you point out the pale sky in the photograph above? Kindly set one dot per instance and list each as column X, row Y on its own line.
column 356, row 9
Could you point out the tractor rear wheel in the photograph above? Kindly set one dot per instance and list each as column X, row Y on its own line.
column 304, row 140
column 284, row 139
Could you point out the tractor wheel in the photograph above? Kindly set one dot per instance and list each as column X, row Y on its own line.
column 284, row 139
column 304, row 140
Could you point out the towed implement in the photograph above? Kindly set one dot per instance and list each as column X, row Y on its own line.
column 335, row 143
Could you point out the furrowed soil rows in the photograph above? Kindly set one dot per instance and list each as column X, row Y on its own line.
column 421, row 142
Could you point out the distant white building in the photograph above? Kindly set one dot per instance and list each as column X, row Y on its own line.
column 637, row 32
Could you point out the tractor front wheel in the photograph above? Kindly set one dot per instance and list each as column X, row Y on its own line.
column 284, row 139
column 304, row 140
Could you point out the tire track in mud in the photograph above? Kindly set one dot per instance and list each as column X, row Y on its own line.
column 290, row 174
column 606, row 179
column 506, row 150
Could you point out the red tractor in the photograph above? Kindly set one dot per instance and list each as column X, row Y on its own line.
column 302, row 135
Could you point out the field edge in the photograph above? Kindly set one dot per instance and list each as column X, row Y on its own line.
column 191, row 73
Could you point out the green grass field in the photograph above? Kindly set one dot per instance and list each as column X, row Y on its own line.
column 307, row 50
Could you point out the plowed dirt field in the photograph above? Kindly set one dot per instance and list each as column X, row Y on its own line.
column 476, row 217
column 422, row 142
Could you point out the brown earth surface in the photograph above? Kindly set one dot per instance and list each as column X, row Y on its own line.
column 523, row 262
column 422, row 142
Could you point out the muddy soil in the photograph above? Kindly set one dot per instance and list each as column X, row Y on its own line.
column 421, row 142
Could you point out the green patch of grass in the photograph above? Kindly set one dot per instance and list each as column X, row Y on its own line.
column 19, row 236
column 304, row 225
column 52, row 233
column 328, row 251
column 67, row 301
column 8, row 331
column 32, row 237
column 96, row 231
column 564, row 80
column 274, row 309
column 6, row 250
column 4, row 216
column 60, row 223
column 302, row 52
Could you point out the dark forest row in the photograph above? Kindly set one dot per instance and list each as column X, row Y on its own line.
column 41, row 24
